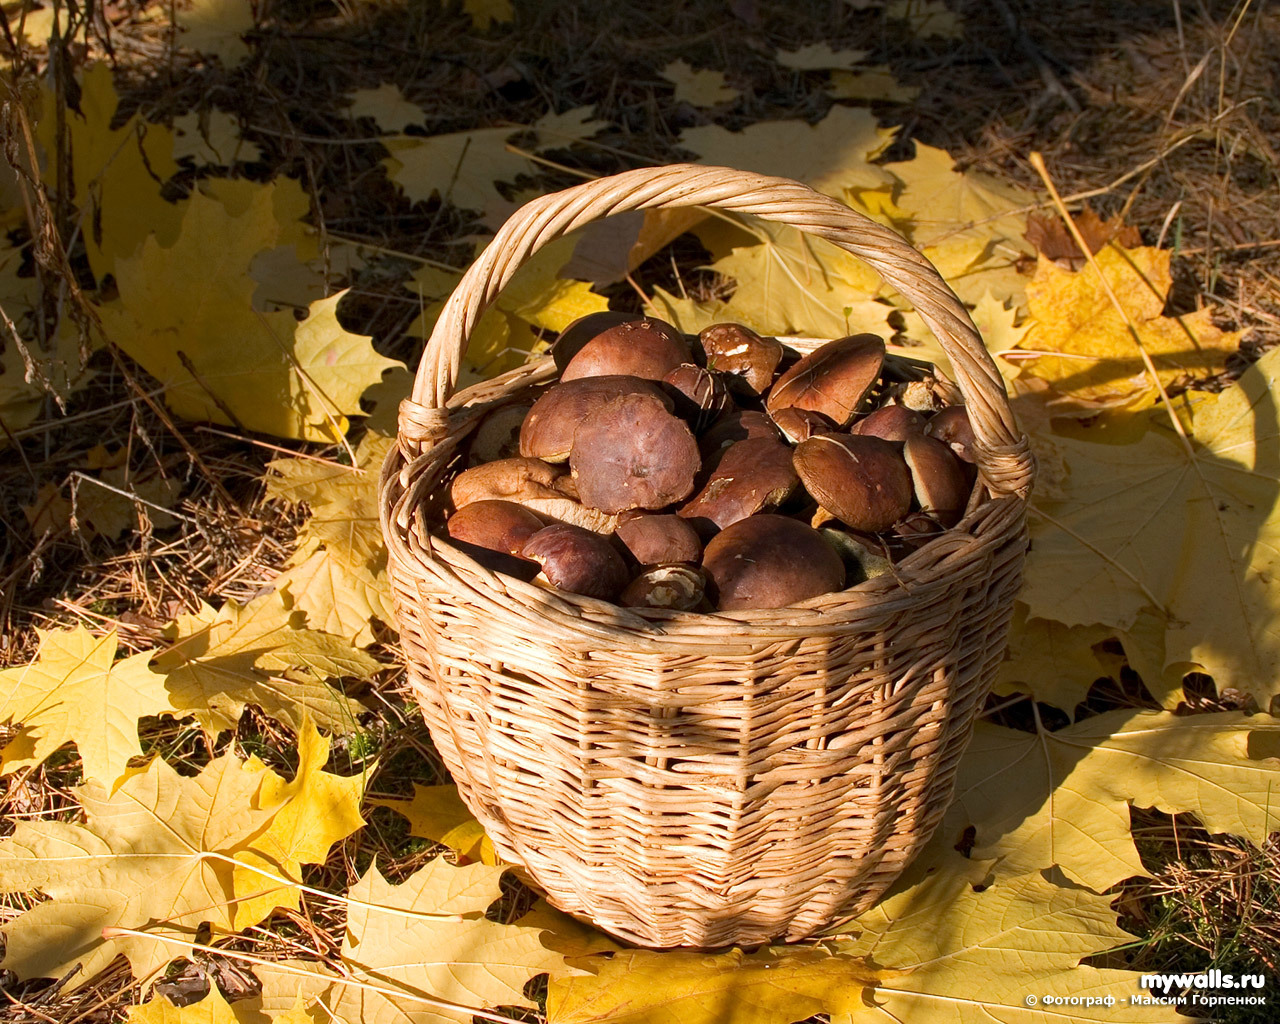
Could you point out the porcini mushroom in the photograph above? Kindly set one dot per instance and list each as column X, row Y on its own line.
column 578, row 561
column 770, row 561
column 863, row 481
column 645, row 347
column 548, row 428
column 748, row 358
column 752, row 475
column 831, row 380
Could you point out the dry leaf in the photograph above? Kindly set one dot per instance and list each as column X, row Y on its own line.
column 704, row 88
column 472, row 962
column 219, row 661
column 316, row 810
column 820, row 57
column 438, row 813
column 927, row 19
column 212, row 138
column 185, row 313
column 1053, row 663
column 387, row 106
column 75, row 690
column 964, row 956
column 141, row 861
column 1062, row 798
column 340, row 597
column 1192, row 533
column 832, row 155
column 775, row 985
column 102, row 510
column 1052, row 239
column 484, row 13
column 212, row 1009
column 216, row 28
column 559, row 131
column 460, row 168
column 875, row 82
column 1091, row 353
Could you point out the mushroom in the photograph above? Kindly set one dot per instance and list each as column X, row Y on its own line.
column 547, row 431
column 739, row 351
column 937, row 477
column 863, row 557
column 498, row 436
column 863, row 481
column 831, row 380
column 539, row 486
column 584, row 329
column 952, row 426
column 890, row 422
column 736, row 425
column 493, row 532
column 648, row 348
column 700, row 395
column 770, row 561
column 577, row 560
column 678, row 587
column 633, row 453
column 752, row 475
column 801, row 424
column 657, row 539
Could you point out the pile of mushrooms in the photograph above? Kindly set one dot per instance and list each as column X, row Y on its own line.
column 722, row 472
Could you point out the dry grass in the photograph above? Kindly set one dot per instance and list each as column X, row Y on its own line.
column 1166, row 112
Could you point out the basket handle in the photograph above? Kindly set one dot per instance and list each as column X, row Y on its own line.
column 1003, row 453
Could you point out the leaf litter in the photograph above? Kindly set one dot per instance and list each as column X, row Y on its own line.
column 279, row 651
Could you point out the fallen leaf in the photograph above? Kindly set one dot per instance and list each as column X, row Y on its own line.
column 1084, row 343
column 927, row 19
column 472, row 963
column 144, row 860
column 339, row 597
column 438, row 813
column 965, row 955
column 212, row 138
column 559, row 131
column 185, row 313
column 607, row 250
column 387, row 106
column 117, row 173
column 212, row 1009
column 316, row 810
column 484, row 13
column 216, row 28
column 1053, row 663
column 216, row 662
column 774, row 985
column 699, row 88
column 76, row 691
column 874, row 82
column 820, row 57
column 832, row 155
column 104, row 511
column 1062, row 798
column 1190, row 535
column 461, row 168
column 1052, row 239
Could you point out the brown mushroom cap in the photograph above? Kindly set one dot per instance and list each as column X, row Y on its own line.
column 801, row 424
column 678, row 587
column 494, row 524
column 863, row 481
column 584, row 329
column 952, row 426
column 937, row 477
column 770, row 561
column 633, row 453
column 831, row 380
column 891, row 423
column 647, row 347
column 659, row 539
column 739, row 351
column 700, row 395
column 752, row 475
column 736, row 425
column 578, row 561
column 538, row 486
column 547, row 431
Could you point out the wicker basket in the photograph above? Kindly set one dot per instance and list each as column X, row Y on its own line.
column 687, row 779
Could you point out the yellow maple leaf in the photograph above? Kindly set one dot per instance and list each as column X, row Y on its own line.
column 460, row 167
column 76, row 690
column 485, row 12
column 438, row 813
column 212, row 1009
column 212, row 138
column 874, row 82
column 341, row 598
column 927, row 18
column 387, row 106
column 216, row 27
column 117, row 173
column 1085, row 344
column 699, row 88
column 186, row 314
column 311, row 812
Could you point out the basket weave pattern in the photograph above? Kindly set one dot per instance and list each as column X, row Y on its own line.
column 690, row 779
